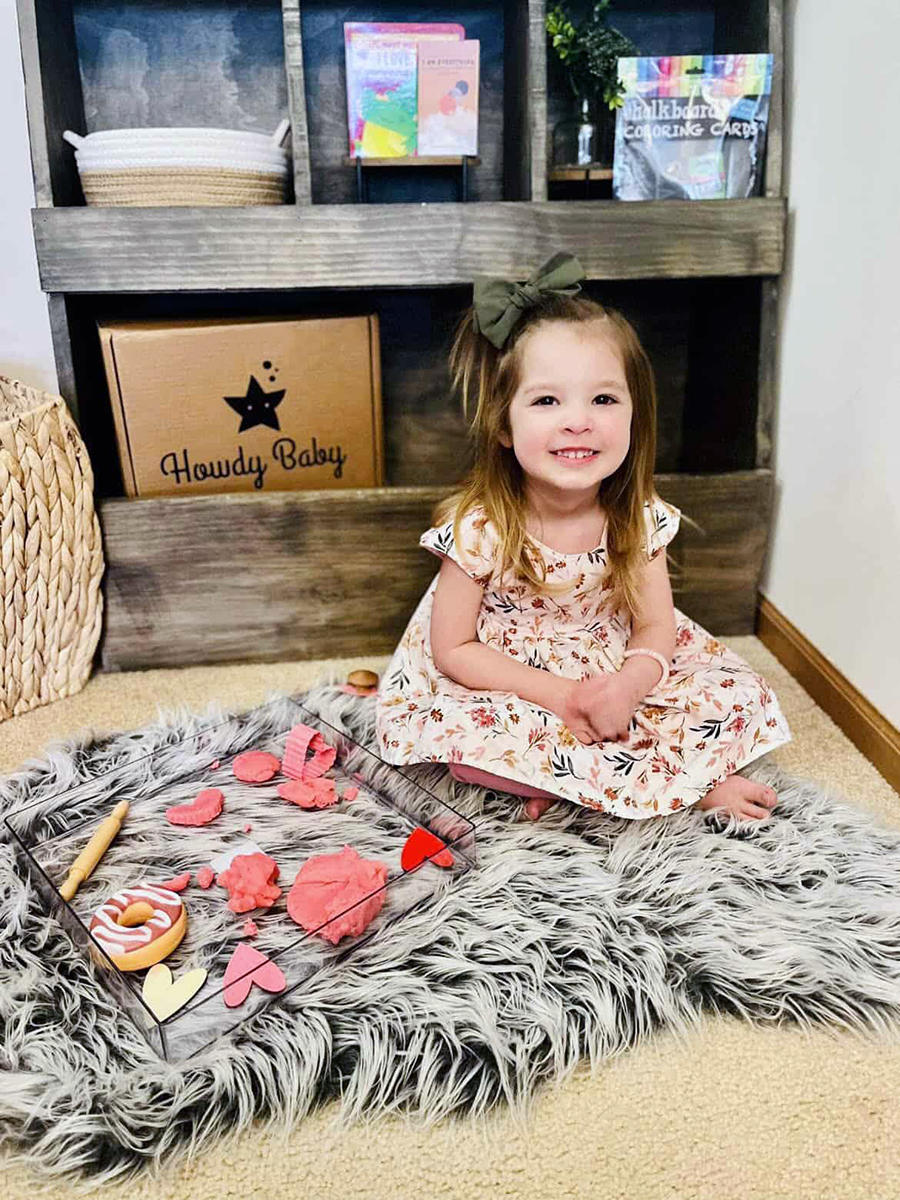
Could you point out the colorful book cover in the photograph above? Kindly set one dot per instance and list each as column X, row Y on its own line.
column 448, row 97
column 692, row 127
column 382, row 84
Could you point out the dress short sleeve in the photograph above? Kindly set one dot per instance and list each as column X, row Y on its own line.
column 662, row 521
column 476, row 551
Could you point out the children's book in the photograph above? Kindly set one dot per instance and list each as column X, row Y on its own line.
column 448, row 97
column 692, row 127
column 382, row 84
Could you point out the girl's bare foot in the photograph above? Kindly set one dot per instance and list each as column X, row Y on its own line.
column 740, row 796
column 536, row 808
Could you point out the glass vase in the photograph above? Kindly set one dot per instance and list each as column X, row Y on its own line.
column 575, row 139
column 587, row 138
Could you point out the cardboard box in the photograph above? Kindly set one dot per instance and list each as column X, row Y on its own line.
column 224, row 405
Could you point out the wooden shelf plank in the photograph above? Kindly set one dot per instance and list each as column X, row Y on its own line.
column 326, row 573
column 399, row 245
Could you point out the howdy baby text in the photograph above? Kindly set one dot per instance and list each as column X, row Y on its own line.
column 284, row 452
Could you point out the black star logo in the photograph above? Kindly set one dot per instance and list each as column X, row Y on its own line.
column 257, row 407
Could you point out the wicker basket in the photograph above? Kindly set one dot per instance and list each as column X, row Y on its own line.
column 182, row 187
column 182, row 166
column 51, row 554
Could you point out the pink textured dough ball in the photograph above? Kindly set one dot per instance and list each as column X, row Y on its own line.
column 312, row 793
column 256, row 766
column 205, row 877
column 330, row 883
column 251, row 882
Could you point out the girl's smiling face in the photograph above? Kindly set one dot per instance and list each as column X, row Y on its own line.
column 570, row 416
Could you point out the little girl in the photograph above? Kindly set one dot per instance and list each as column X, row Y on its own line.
column 547, row 659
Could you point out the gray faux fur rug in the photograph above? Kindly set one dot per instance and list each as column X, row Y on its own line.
column 574, row 938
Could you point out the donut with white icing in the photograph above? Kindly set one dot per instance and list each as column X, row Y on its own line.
column 140, row 926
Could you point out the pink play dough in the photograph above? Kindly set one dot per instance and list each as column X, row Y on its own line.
column 251, row 882
column 309, row 793
column 330, row 883
column 350, row 794
column 201, row 811
column 256, row 766
column 295, row 764
column 178, row 884
column 250, row 928
column 205, row 877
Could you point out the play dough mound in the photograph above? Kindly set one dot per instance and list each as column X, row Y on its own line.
column 330, row 883
column 309, row 793
column 251, row 882
column 205, row 877
column 201, row 811
column 256, row 766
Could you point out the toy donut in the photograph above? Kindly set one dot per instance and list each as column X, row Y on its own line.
column 140, row 926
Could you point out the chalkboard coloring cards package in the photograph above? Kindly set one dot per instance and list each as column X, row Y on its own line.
column 692, row 127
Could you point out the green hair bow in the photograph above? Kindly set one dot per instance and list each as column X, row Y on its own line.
column 499, row 303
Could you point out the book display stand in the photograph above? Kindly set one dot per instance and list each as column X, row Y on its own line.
column 457, row 166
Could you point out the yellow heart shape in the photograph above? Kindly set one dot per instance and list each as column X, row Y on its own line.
column 164, row 996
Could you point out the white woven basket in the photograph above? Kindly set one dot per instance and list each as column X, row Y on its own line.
column 151, row 167
column 51, row 553
column 176, row 135
column 122, row 160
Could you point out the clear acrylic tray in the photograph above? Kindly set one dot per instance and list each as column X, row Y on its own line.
column 49, row 834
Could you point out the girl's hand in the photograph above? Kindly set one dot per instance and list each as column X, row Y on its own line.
column 598, row 709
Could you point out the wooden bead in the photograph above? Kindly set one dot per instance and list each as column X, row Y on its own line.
column 363, row 679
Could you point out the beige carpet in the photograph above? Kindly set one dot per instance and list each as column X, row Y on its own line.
column 733, row 1112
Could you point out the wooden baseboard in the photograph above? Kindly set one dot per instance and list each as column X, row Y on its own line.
column 872, row 734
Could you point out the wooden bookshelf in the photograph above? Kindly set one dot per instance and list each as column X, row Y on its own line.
column 698, row 279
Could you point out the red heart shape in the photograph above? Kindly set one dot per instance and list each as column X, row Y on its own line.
column 421, row 845
column 246, row 967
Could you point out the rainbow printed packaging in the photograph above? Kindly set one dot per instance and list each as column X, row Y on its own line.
column 692, row 127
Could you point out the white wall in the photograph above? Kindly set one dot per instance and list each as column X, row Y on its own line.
column 834, row 563
column 26, row 351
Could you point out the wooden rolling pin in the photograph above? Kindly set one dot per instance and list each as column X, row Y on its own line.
column 93, row 851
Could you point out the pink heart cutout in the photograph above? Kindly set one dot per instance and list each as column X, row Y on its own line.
column 248, row 966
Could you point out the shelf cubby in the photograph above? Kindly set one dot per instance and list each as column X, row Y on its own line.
column 707, row 401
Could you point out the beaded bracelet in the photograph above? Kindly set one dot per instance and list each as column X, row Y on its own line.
column 659, row 658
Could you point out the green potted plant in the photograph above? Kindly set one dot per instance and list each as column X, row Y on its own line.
column 589, row 52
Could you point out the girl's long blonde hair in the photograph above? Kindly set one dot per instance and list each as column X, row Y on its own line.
column 486, row 379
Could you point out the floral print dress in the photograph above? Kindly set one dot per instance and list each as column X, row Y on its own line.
column 713, row 716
